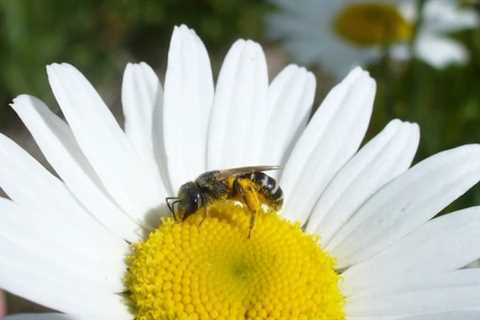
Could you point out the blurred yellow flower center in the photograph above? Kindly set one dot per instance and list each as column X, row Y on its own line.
column 212, row 270
column 371, row 24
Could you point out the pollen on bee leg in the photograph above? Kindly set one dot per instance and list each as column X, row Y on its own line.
column 212, row 271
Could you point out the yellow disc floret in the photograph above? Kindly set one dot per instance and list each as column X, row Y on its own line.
column 371, row 24
column 208, row 268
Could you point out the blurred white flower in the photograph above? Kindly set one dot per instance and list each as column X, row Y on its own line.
column 339, row 34
column 432, row 45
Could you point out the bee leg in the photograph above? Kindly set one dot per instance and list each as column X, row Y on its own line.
column 171, row 206
column 253, row 219
column 249, row 193
column 205, row 215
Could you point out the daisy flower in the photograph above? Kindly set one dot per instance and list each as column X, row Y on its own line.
column 355, row 239
column 339, row 34
column 432, row 45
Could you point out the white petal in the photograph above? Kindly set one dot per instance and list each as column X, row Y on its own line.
column 29, row 274
column 48, row 203
column 104, row 143
column 188, row 101
column 455, row 315
column 421, row 302
column 385, row 157
column 440, row 51
column 41, row 316
column 240, row 113
column 331, row 138
column 142, row 95
column 415, row 281
column 442, row 244
column 408, row 9
column 400, row 52
column 60, row 148
column 24, row 231
column 448, row 16
column 406, row 203
column 290, row 98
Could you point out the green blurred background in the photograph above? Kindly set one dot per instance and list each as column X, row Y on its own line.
column 100, row 37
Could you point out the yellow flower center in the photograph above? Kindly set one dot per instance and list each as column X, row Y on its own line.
column 208, row 268
column 371, row 24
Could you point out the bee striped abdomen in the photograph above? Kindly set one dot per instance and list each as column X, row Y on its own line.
column 269, row 188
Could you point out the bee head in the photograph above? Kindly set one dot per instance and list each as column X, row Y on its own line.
column 189, row 199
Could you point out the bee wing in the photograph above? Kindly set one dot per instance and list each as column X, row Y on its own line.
column 223, row 174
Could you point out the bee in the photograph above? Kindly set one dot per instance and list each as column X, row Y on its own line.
column 250, row 184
